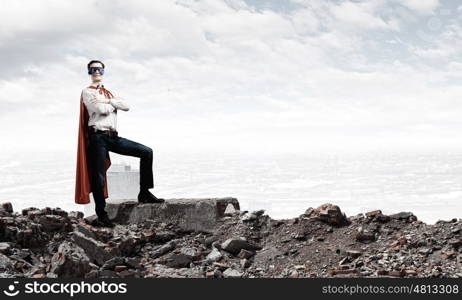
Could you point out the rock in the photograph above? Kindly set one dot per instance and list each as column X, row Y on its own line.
column 133, row 262
column 294, row 274
column 213, row 256
column 258, row 213
column 127, row 245
column 209, row 241
column 373, row 213
column 245, row 254
column 267, row 254
column 189, row 214
column 92, row 274
column 454, row 242
column 344, row 271
column 163, row 271
column 108, row 274
column 163, row 249
column 178, row 261
column 330, row 214
column 7, row 207
column 163, row 236
column 5, row 248
column 91, row 220
column 76, row 214
column 210, row 274
column 425, row 251
column 220, row 266
column 230, row 210
column 364, row 235
column 249, row 218
column 232, row 273
column 113, row 262
column 245, row 263
column 353, row 253
column 234, row 246
column 396, row 273
column 192, row 253
column 70, row 261
column 127, row 273
column 402, row 216
column 6, row 264
column 89, row 231
column 309, row 212
column 382, row 218
column 59, row 212
column 95, row 250
column 120, row 268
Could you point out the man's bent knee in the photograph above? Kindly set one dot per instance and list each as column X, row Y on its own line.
column 147, row 152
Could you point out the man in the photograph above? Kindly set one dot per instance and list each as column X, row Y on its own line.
column 97, row 136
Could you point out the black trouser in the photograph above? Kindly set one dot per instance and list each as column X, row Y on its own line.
column 100, row 144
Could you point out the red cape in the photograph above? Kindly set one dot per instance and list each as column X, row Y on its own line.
column 83, row 170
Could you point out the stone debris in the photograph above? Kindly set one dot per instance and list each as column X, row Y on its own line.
column 234, row 246
column 322, row 242
column 328, row 213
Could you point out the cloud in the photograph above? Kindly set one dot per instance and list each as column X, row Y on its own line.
column 421, row 6
column 230, row 74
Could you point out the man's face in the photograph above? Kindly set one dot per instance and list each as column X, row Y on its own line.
column 96, row 76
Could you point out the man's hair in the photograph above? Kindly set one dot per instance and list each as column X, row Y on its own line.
column 94, row 61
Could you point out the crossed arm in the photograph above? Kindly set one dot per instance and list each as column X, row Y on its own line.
column 102, row 105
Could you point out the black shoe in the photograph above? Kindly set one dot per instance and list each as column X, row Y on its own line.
column 147, row 197
column 104, row 221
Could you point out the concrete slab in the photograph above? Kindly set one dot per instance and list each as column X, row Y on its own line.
column 190, row 214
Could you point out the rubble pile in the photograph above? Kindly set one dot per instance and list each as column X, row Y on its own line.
column 322, row 242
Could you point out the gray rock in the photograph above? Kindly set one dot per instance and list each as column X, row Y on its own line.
column 353, row 253
column 455, row 242
column 245, row 254
column 192, row 253
column 134, row 262
column 163, row 249
column 159, row 270
column 209, row 241
column 7, row 207
column 267, row 254
column 70, row 261
column 115, row 261
column 249, row 217
column 234, row 246
column 213, row 256
column 232, row 273
column 108, row 274
column 189, row 214
column 86, row 231
column 5, row 248
column 163, row 236
column 401, row 215
column 53, row 223
column 6, row 264
column 230, row 210
column 76, row 214
column 178, row 261
column 259, row 213
column 95, row 250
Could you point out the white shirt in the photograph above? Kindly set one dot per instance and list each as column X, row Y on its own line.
column 103, row 113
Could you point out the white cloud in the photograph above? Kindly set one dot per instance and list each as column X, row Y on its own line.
column 421, row 6
column 361, row 14
column 204, row 74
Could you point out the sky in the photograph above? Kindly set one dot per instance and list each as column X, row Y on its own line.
column 237, row 76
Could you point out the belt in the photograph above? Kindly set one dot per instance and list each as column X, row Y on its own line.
column 106, row 132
